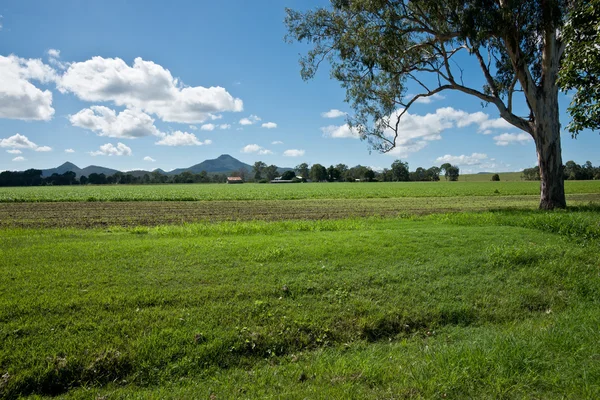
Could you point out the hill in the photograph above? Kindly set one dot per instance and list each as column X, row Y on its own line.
column 68, row 166
column 223, row 163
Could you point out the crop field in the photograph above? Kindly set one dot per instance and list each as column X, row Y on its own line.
column 208, row 192
column 251, row 292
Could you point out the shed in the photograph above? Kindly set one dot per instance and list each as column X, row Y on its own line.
column 234, row 179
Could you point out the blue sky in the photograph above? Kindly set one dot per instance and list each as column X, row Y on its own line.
column 150, row 84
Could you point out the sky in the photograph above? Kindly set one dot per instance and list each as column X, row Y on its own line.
column 134, row 84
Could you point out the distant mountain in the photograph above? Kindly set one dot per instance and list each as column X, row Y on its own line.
column 68, row 166
column 224, row 163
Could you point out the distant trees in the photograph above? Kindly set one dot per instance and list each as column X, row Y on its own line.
column 496, row 178
column 318, row 173
column 400, row 171
column 258, row 169
column 571, row 171
column 288, row 175
column 302, row 170
column 452, row 173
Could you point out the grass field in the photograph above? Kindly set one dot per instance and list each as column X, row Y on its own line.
column 282, row 192
column 307, row 298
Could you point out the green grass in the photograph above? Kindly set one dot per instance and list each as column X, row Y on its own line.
column 504, row 177
column 281, row 192
column 481, row 305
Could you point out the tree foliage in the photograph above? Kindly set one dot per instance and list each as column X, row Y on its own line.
column 581, row 66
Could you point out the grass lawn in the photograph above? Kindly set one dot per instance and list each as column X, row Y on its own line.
column 474, row 305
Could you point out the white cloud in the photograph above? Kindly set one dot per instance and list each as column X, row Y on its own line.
column 250, row 120
column 208, row 127
column 293, row 153
column 14, row 151
column 17, row 159
column 109, row 149
column 128, row 124
column 333, row 113
column 1, row 22
column 277, row 142
column 377, row 169
column 69, row 151
column 339, row 132
column 179, row 138
column 224, row 126
column 473, row 159
column 269, row 125
column 193, row 127
column 416, row 131
column 43, row 148
column 148, row 158
column 254, row 148
column 428, row 100
column 146, row 86
column 512, row 138
column 19, row 98
column 53, row 53
column 18, row 141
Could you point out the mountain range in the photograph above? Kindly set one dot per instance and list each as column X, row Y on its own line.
column 222, row 164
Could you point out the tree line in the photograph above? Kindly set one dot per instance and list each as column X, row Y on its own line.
column 571, row 171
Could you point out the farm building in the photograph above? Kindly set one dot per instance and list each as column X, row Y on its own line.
column 234, row 179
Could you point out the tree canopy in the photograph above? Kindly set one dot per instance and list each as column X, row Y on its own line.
column 377, row 49
column 581, row 66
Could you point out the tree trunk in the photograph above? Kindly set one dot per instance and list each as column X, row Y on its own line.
column 547, row 143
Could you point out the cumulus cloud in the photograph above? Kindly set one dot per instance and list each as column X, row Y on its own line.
column 416, row 131
column 208, row 127
column 148, row 158
column 109, row 149
column 19, row 98
column 473, row 159
column 18, row 141
column 14, row 151
column 146, row 86
column 340, row 132
column 333, row 113
column 512, row 138
column 269, row 125
column 224, row 126
column 53, row 53
column 250, row 120
column 254, row 148
column 293, row 153
column 277, row 142
column 179, row 138
column 193, row 127
column 69, row 151
column 128, row 124
column 17, row 159
column 43, row 148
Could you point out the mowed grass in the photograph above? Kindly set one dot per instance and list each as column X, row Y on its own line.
column 246, row 191
column 481, row 305
column 504, row 177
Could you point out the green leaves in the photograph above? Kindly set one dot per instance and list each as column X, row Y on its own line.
column 581, row 66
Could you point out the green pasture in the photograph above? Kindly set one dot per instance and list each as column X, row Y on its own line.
column 466, row 305
column 361, row 190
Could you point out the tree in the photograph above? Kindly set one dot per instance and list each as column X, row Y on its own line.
column 302, row 170
column 288, row 175
column 400, row 171
column 453, row 173
column 379, row 49
column 333, row 174
column 318, row 173
column 258, row 169
column 496, row 178
column 444, row 167
column 271, row 172
column 581, row 65
column 343, row 168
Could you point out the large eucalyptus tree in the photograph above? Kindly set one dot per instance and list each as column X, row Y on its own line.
column 376, row 48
